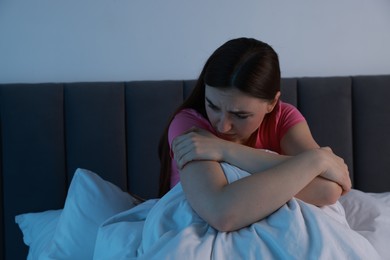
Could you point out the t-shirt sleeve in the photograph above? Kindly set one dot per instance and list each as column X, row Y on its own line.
column 183, row 121
column 289, row 117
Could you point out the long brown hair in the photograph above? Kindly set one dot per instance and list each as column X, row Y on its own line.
column 249, row 65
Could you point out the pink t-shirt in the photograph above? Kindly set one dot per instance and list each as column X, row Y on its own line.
column 270, row 133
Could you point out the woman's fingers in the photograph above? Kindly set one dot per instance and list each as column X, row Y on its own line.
column 180, row 149
column 196, row 144
column 185, row 148
column 336, row 169
column 346, row 181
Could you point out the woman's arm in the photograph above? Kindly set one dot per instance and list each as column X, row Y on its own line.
column 298, row 139
column 320, row 191
column 228, row 207
column 198, row 144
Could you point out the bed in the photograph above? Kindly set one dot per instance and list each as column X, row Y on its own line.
column 71, row 152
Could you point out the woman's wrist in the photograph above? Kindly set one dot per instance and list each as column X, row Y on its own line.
column 227, row 151
column 250, row 159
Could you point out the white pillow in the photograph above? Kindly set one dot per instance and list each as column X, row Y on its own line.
column 38, row 230
column 90, row 201
column 369, row 214
column 119, row 237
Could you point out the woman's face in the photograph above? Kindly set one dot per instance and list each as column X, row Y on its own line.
column 234, row 115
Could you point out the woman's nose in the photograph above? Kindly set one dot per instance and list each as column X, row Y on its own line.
column 224, row 124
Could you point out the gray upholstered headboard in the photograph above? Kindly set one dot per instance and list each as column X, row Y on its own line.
column 112, row 128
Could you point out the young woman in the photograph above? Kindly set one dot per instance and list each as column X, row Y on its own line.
column 234, row 115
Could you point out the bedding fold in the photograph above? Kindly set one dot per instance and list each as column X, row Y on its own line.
column 169, row 229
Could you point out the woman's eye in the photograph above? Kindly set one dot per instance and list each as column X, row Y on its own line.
column 242, row 116
column 213, row 107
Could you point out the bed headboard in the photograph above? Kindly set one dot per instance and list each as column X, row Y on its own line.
column 112, row 128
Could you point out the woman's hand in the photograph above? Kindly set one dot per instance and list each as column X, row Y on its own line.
column 195, row 145
column 334, row 169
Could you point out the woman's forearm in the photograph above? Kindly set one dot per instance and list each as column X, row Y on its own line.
column 199, row 146
column 250, row 159
column 319, row 191
column 232, row 206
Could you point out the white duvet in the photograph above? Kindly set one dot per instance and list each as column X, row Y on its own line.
column 170, row 229
column 357, row 227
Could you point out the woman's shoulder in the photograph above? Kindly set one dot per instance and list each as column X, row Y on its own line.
column 289, row 115
column 190, row 116
column 184, row 120
column 288, row 110
column 189, row 113
column 286, row 106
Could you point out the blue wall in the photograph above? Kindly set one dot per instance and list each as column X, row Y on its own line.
column 109, row 40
